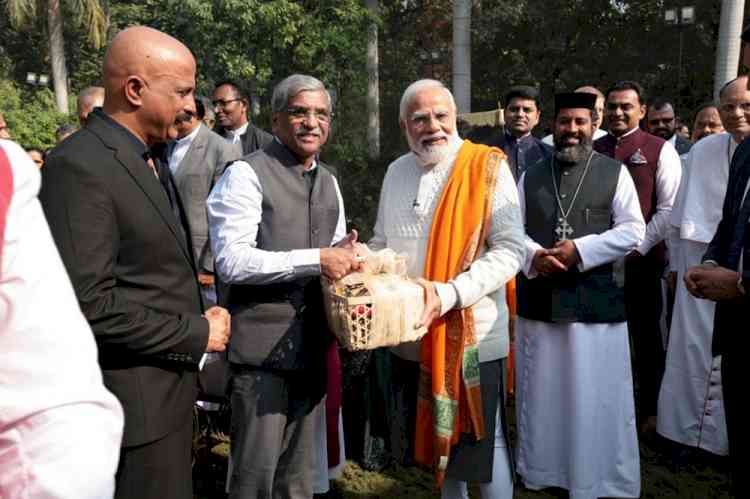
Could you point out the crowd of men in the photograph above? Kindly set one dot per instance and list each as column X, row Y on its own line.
column 169, row 247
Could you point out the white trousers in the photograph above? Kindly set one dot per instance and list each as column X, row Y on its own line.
column 501, row 486
column 66, row 452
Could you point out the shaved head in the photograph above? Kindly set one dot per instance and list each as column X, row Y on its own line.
column 149, row 78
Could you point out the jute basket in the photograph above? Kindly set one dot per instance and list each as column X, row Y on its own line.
column 386, row 316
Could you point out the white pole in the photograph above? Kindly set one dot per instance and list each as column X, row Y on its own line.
column 373, row 86
column 462, row 55
column 728, row 47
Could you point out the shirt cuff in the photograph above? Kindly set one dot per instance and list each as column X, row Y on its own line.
column 583, row 246
column 528, row 265
column 305, row 262
column 448, row 296
column 645, row 247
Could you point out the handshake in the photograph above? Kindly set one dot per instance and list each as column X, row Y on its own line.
column 219, row 329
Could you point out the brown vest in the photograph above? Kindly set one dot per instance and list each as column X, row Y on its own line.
column 640, row 152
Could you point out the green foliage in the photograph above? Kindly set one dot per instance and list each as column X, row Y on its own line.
column 561, row 44
column 31, row 115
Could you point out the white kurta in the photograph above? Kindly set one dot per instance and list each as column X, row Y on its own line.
column 574, row 388
column 691, row 407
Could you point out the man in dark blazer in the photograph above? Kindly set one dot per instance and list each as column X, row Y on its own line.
column 661, row 121
column 723, row 277
column 231, row 107
column 197, row 159
column 523, row 108
column 129, row 260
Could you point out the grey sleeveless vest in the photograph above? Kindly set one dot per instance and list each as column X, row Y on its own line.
column 282, row 326
column 574, row 296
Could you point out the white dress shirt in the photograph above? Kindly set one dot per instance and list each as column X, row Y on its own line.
column 234, row 136
column 234, row 214
column 180, row 148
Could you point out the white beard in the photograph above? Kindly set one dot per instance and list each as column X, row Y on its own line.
column 430, row 155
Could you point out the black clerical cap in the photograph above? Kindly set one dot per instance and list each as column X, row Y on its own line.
column 573, row 100
column 745, row 36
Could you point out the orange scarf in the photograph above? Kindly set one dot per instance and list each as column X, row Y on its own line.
column 449, row 401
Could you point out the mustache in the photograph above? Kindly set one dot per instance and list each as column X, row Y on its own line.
column 312, row 131
column 184, row 117
column 583, row 140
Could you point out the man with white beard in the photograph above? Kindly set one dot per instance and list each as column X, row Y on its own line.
column 691, row 408
column 574, row 390
column 452, row 207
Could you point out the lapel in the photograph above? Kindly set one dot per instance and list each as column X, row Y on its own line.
column 193, row 155
column 140, row 173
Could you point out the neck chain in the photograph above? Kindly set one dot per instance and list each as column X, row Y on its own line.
column 563, row 229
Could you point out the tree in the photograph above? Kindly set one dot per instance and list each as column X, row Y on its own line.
column 89, row 13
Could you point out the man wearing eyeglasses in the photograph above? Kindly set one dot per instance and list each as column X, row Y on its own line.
column 723, row 278
column 691, row 411
column 230, row 106
column 273, row 218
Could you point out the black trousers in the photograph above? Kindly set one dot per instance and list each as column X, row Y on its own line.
column 471, row 460
column 643, row 303
column 157, row 470
column 732, row 377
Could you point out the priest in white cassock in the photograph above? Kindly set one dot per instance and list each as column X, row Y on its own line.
column 574, row 390
column 691, row 408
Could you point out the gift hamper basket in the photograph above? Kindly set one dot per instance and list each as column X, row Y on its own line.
column 376, row 307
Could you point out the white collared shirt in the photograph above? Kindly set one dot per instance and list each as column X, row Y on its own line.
column 180, row 148
column 234, row 136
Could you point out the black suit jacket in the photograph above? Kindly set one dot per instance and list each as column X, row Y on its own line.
column 729, row 317
column 253, row 139
column 132, row 271
column 520, row 158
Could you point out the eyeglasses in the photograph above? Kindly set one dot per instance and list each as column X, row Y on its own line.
column 300, row 113
column 223, row 103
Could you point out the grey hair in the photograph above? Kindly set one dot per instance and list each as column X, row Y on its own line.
column 91, row 92
column 291, row 86
column 416, row 87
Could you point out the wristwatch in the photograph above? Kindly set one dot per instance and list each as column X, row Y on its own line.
column 740, row 287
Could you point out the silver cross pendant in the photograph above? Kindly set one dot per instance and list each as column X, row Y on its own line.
column 563, row 230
